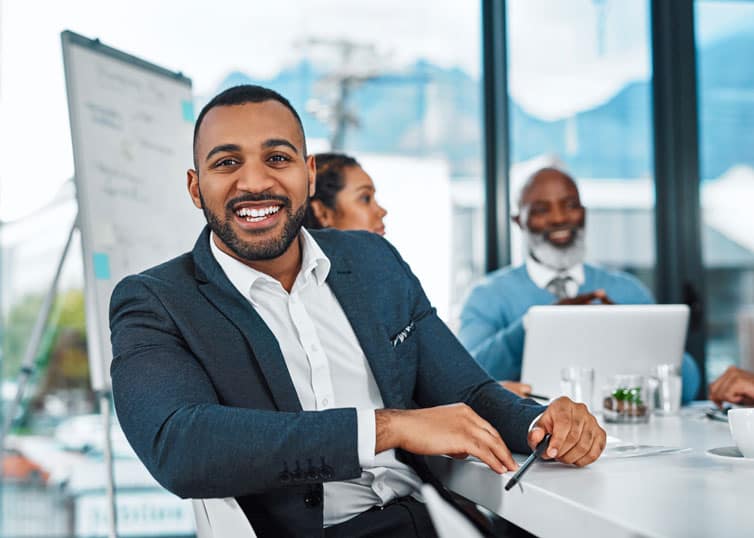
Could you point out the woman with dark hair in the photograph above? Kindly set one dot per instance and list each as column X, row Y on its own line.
column 344, row 196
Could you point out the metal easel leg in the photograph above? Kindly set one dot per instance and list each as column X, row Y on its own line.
column 112, row 513
column 27, row 369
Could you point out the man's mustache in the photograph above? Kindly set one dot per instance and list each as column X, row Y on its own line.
column 258, row 197
column 569, row 228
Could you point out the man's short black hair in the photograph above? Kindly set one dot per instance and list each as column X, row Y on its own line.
column 239, row 95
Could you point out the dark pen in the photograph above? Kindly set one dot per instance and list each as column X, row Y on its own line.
column 537, row 396
column 541, row 447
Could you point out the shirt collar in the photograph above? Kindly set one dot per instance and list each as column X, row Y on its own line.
column 542, row 275
column 313, row 261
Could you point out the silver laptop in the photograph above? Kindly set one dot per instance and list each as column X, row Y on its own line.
column 611, row 339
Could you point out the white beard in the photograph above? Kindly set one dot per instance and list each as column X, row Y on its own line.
column 558, row 258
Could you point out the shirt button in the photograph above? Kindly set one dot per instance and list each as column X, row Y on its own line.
column 314, row 348
column 325, row 401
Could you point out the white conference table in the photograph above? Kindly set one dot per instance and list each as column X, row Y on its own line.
column 681, row 494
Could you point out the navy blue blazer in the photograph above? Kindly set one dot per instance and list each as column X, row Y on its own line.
column 204, row 397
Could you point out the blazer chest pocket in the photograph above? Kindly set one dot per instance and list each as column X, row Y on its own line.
column 400, row 337
column 405, row 337
column 404, row 344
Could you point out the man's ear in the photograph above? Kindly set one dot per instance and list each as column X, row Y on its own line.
column 311, row 169
column 192, row 183
column 322, row 213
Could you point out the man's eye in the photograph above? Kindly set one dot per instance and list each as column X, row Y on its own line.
column 278, row 158
column 227, row 161
column 366, row 198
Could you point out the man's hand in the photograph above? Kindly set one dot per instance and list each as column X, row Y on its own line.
column 521, row 389
column 577, row 438
column 455, row 430
column 587, row 298
column 735, row 386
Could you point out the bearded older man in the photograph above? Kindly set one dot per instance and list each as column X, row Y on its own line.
column 552, row 220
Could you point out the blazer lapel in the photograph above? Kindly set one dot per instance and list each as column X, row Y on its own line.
column 216, row 287
column 353, row 296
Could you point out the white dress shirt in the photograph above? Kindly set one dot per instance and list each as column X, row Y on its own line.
column 542, row 275
column 329, row 370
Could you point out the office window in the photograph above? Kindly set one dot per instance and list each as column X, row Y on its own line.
column 396, row 84
column 724, row 48
column 580, row 99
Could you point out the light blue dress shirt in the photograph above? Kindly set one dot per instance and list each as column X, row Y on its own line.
column 491, row 325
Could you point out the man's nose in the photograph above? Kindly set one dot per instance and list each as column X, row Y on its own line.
column 254, row 178
column 557, row 215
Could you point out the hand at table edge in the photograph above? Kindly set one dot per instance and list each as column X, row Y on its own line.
column 577, row 438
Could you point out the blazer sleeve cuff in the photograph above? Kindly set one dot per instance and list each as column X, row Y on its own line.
column 367, row 432
column 534, row 422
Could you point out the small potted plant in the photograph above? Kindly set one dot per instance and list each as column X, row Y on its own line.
column 623, row 400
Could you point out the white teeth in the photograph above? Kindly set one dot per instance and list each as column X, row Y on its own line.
column 257, row 214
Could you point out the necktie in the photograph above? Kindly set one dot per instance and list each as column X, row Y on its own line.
column 558, row 286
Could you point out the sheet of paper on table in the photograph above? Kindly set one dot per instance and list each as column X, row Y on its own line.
column 616, row 448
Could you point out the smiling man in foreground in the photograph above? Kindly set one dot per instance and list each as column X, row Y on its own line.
column 304, row 374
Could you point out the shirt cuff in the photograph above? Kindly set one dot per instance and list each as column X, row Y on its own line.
column 367, row 431
column 534, row 422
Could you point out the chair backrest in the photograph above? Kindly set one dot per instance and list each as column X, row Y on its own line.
column 221, row 518
column 448, row 522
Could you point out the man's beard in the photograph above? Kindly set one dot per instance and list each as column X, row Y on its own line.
column 262, row 250
column 556, row 257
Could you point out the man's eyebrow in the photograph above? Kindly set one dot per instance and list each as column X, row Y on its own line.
column 272, row 142
column 221, row 148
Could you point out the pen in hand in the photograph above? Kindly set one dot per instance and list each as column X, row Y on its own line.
column 541, row 448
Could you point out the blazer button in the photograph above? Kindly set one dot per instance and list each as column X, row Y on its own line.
column 285, row 476
column 325, row 471
column 298, row 473
column 312, row 473
column 313, row 499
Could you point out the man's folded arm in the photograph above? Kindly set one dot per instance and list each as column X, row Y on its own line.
column 448, row 374
column 193, row 445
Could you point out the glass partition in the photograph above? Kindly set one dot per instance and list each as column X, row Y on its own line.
column 724, row 47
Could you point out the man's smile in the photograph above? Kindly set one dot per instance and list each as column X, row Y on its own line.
column 253, row 214
column 258, row 215
column 560, row 237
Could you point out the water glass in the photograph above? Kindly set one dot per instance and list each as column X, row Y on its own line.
column 578, row 384
column 667, row 396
